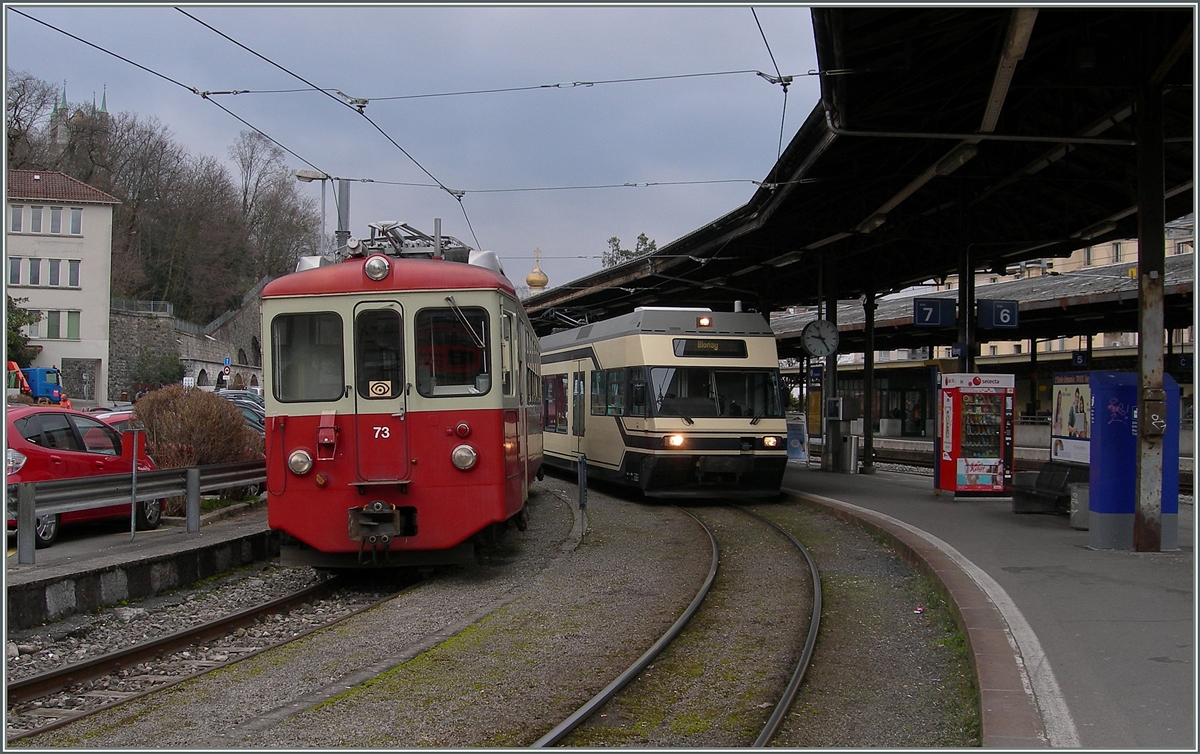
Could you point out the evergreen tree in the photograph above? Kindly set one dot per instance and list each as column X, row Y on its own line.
column 18, row 344
column 616, row 255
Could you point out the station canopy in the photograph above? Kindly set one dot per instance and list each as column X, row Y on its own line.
column 1004, row 133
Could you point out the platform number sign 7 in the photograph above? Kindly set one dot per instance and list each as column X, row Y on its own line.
column 933, row 312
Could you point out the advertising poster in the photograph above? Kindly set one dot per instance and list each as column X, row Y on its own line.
column 1070, row 419
column 980, row 474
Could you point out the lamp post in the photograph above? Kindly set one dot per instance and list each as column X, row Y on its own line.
column 308, row 176
column 343, row 201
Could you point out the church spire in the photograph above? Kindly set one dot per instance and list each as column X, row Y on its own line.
column 104, row 100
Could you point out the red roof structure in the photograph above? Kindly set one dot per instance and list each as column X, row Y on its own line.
column 51, row 185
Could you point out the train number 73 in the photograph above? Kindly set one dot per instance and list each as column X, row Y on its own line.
column 382, row 432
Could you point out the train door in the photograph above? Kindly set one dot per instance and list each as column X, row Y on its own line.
column 510, row 382
column 579, row 404
column 381, row 432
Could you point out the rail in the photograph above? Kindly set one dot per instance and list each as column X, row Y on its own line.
column 84, row 493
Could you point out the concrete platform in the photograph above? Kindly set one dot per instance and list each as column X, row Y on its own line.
column 1071, row 646
column 105, row 569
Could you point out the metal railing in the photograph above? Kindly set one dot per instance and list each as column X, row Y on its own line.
column 84, row 493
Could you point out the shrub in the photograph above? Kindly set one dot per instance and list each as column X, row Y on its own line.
column 22, row 399
column 190, row 427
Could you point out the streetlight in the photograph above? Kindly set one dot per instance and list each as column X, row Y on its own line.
column 308, row 176
column 343, row 201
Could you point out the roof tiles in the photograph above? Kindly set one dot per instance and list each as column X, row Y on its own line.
column 51, row 185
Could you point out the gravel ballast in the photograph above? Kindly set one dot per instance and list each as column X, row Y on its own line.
column 498, row 653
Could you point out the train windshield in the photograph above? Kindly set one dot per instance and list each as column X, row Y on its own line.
column 307, row 356
column 705, row 392
column 452, row 359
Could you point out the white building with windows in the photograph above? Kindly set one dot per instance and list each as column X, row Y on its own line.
column 58, row 255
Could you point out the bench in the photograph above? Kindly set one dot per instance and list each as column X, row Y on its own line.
column 1047, row 490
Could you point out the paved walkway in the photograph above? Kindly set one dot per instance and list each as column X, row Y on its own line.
column 1108, row 636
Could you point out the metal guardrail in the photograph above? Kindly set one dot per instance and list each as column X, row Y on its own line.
column 84, row 493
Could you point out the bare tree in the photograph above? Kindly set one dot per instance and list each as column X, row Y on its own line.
column 280, row 223
column 28, row 106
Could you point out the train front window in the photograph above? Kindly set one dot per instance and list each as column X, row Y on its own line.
column 307, row 357
column 452, row 359
column 696, row 392
column 378, row 348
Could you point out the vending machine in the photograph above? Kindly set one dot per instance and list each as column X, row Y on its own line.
column 974, row 445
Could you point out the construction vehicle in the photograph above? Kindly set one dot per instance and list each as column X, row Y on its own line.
column 42, row 384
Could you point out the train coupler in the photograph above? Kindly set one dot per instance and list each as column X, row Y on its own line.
column 376, row 524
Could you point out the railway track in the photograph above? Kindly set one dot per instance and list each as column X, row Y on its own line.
column 50, row 700
column 590, row 709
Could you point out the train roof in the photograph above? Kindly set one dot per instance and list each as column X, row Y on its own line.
column 664, row 321
column 407, row 274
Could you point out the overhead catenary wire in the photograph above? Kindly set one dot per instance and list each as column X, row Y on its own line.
column 458, row 195
column 206, row 95
column 783, row 81
column 192, row 89
column 527, row 88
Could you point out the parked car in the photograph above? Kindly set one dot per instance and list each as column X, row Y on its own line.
column 248, row 395
column 252, row 411
column 47, row 443
column 118, row 420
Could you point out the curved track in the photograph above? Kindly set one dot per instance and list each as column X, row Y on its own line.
column 560, row 731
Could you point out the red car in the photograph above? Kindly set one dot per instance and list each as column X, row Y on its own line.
column 46, row 443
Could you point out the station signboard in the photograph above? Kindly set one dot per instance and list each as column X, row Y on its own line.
column 996, row 315
column 934, row 312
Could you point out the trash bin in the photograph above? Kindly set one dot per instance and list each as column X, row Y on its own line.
column 1079, row 505
column 850, row 453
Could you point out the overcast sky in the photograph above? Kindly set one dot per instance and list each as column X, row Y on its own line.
column 718, row 132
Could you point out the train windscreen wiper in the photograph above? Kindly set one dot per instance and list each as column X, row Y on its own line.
column 462, row 319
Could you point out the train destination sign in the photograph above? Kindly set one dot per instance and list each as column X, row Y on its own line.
column 726, row 349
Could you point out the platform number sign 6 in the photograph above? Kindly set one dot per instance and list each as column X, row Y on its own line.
column 1001, row 315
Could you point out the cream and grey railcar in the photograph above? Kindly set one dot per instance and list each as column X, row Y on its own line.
column 675, row 402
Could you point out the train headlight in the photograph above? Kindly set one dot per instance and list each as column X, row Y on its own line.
column 300, row 462
column 673, row 441
column 463, row 457
column 770, row 442
column 377, row 267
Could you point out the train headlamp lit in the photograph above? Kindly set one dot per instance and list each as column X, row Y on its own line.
column 673, row 441
column 300, row 462
column 705, row 321
column 377, row 267
column 463, row 457
column 770, row 442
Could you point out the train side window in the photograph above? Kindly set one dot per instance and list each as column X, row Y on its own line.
column 506, row 354
column 452, row 360
column 377, row 346
column 615, row 405
column 599, row 392
column 554, row 403
column 637, row 391
column 307, row 354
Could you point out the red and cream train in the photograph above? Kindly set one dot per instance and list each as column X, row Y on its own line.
column 403, row 402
